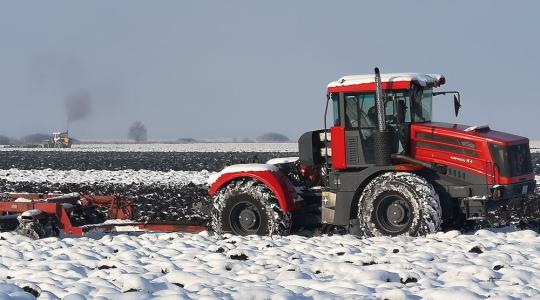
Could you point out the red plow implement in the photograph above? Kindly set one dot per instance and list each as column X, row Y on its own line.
column 46, row 215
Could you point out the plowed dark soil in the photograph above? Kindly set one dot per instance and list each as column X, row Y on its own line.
column 162, row 202
column 157, row 161
column 154, row 203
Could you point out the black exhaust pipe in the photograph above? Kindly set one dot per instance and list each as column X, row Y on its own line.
column 382, row 138
column 379, row 102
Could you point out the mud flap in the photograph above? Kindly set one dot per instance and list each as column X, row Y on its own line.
column 328, row 207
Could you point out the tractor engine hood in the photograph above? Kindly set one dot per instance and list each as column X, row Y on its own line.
column 472, row 133
column 505, row 157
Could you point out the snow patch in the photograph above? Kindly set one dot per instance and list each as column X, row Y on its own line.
column 422, row 79
column 477, row 127
column 535, row 146
column 23, row 200
column 242, row 168
column 31, row 213
column 133, row 282
column 123, row 177
column 194, row 266
column 282, row 160
column 195, row 147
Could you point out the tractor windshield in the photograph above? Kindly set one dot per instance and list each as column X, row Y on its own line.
column 359, row 108
column 417, row 104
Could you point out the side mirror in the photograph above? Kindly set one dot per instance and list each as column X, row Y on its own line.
column 400, row 112
column 457, row 105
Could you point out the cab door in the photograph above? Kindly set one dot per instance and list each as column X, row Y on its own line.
column 354, row 150
column 355, row 119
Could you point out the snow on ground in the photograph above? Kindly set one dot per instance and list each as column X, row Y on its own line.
column 195, row 147
column 118, row 177
column 535, row 146
column 282, row 160
column 504, row 265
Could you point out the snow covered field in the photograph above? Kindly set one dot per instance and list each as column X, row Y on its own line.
column 535, row 146
column 195, row 147
column 504, row 265
column 105, row 176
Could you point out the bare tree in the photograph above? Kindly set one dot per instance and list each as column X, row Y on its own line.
column 272, row 137
column 4, row 140
column 138, row 132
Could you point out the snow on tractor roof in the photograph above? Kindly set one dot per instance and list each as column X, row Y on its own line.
column 366, row 81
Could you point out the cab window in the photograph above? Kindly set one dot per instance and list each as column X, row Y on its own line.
column 351, row 111
column 368, row 112
column 360, row 111
column 335, row 109
column 389, row 109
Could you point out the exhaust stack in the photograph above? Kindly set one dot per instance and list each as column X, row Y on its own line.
column 379, row 101
column 382, row 138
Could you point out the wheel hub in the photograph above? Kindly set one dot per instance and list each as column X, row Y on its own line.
column 247, row 218
column 393, row 213
column 396, row 213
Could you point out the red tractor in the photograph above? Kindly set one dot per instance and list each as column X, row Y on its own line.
column 383, row 168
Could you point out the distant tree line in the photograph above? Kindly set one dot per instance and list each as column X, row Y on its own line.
column 35, row 138
column 272, row 137
column 4, row 140
column 138, row 133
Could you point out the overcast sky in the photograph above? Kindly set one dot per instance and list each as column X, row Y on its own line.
column 213, row 69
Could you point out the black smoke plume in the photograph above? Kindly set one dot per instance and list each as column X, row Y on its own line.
column 78, row 106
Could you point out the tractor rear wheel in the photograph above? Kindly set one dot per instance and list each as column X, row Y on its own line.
column 247, row 207
column 399, row 203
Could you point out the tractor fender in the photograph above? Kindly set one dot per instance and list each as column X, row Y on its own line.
column 278, row 183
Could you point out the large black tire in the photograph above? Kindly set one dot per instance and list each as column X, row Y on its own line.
column 247, row 207
column 399, row 203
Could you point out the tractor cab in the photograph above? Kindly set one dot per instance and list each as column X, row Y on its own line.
column 60, row 136
column 58, row 140
column 355, row 117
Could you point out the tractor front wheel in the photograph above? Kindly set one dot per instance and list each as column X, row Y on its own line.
column 247, row 207
column 399, row 203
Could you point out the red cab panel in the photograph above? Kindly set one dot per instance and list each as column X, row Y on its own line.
column 339, row 159
column 370, row 87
